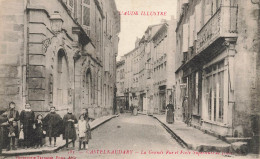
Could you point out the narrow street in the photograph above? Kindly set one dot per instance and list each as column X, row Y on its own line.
column 134, row 135
column 130, row 137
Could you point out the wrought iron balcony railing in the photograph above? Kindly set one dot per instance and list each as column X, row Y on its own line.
column 222, row 24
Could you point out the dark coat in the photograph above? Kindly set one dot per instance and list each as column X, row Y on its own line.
column 3, row 132
column 39, row 129
column 27, row 120
column 53, row 124
column 170, row 114
column 13, row 125
column 69, row 128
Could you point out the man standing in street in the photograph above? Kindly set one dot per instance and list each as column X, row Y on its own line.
column 53, row 125
column 13, row 118
column 69, row 129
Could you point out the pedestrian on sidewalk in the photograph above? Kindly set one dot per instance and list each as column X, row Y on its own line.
column 185, row 109
column 53, row 125
column 170, row 113
column 3, row 125
column 69, row 128
column 39, row 131
column 84, row 132
column 132, row 109
column 27, row 123
column 13, row 118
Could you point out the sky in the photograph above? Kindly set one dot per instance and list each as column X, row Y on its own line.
column 133, row 26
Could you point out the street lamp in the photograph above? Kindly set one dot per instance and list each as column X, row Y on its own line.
column 56, row 22
column 56, row 26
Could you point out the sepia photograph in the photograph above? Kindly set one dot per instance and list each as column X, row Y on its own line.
column 129, row 79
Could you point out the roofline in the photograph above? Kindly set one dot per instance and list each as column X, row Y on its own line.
column 164, row 24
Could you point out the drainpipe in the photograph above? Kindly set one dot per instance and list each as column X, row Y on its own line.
column 25, row 66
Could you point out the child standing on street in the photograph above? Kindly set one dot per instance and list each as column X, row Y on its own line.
column 84, row 132
column 39, row 131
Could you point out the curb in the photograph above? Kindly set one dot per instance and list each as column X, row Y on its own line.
column 53, row 150
column 104, row 121
column 200, row 148
column 175, row 136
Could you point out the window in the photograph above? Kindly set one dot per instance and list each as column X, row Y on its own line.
column 197, row 85
column 198, row 18
column 70, row 5
column 86, row 13
column 99, row 38
column 106, row 22
column 215, row 91
column 185, row 37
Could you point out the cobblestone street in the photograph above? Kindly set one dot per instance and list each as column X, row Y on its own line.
column 130, row 137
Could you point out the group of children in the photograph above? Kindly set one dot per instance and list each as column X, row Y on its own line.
column 34, row 130
column 83, row 127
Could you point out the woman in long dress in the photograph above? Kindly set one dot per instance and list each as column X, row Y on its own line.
column 69, row 128
column 27, row 121
column 170, row 113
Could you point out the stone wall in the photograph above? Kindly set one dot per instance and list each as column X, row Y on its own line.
column 247, row 48
column 12, row 59
column 37, row 65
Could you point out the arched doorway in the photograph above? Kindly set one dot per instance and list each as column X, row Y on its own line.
column 62, row 82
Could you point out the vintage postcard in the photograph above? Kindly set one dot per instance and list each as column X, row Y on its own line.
column 129, row 79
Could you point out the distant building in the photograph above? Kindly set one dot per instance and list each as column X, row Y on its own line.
column 59, row 53
column 120, row 85
column 149, row 74
column 217, row 54
column 162, row 57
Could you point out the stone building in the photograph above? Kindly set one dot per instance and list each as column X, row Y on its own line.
column 120, row 85
column 217, row 45
column 59, row 53
column 132, row 61
column 149, row 77
column 162, row 57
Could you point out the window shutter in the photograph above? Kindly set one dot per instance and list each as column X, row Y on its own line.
column 191, row 30
column 106, row 60
column 185, row 37
column 207, row 13
column 198, row 19
column 70, row 5
column 86, row 14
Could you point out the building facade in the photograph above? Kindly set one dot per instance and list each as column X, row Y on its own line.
column 149, row 78
column 120, row 85
column 217, row 45
column 163, row 76
column 59, row 53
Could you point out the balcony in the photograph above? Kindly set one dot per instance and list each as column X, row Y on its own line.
column 223, row 24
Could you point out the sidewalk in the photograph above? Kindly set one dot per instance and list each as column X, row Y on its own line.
column 60, row 142
column 193, row 138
